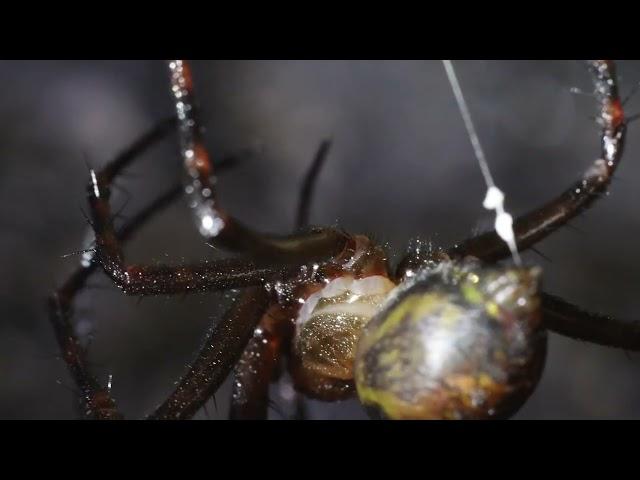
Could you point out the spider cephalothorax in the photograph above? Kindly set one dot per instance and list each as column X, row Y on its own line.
column 450, row 333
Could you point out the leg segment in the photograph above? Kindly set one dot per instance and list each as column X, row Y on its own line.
column 222, row 349
column 538, row 224
column 571, row 321
column 127, row 156
column 254, row 372
column 213, row 221
column 162, row 279
column 258, row 365
column 308, row 186
column 96, row 400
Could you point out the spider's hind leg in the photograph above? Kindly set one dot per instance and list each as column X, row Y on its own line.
column 571, row 321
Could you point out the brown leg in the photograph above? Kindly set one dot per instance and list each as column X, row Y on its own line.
column 538, row 224
column 571, row 321
column 253, row 374
column 130, row 154
column 308, row 186
column 258, row 365
column 162, row 279
column 213, row 221
column 96, row 400
column 222, row 349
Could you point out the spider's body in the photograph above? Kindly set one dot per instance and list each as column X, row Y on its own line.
column 450, row 333
column 454, row 339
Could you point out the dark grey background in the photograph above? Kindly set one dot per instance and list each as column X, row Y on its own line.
column 401, row 167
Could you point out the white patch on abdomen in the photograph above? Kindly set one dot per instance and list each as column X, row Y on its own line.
column 330, row 323
column 346, row 295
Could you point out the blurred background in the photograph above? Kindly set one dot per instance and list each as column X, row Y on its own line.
column 401, row 167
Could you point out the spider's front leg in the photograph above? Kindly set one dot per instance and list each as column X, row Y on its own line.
column 559, row 315
column 213, row 221
column 218, row 226
column 536, row 225
column 135, row 279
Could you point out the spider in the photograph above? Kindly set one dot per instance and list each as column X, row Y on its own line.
column 449, row 333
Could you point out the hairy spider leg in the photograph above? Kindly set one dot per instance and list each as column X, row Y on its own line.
column 572, row 321
column 315, row 245
column 218, row 226
column 160, row 279
column 137, row 279
column 271, row 339
column 222, row 349
column 309, row 183
column 561, row 316
column 137, row 148
column 541, row 222
column 258, row 365
column 96, row 399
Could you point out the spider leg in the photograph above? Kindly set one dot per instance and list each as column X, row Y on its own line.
column 222, row 349
column 130, row 154
column 258, row 365
column 162, row 279
column 571, row 321
column 308, row 186
column 96, row 399
column 213, row 221
column 541, row 222
column 254, row 372
column 224, row 339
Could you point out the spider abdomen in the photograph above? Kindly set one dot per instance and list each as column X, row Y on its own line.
column 457, row 343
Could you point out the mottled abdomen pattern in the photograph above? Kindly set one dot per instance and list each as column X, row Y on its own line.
column 458, row 342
